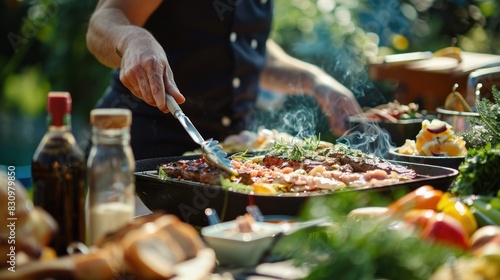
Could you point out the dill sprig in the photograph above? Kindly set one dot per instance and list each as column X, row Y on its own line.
column 485, row 128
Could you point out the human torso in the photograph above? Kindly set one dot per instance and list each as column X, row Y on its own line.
column 216, row 50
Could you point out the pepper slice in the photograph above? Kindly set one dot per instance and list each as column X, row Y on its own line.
column 452, row 206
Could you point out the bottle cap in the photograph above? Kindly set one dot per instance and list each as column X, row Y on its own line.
column 105, row 118
column 58, row 105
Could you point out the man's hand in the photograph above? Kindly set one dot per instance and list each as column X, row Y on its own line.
column 146, row 73
column 117, row 39
column 289, row 75
column 337, row 105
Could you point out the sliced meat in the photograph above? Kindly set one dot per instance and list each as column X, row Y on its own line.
column 363, row 164
column 197, row 170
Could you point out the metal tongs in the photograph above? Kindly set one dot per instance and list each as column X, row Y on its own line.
column 210, row 148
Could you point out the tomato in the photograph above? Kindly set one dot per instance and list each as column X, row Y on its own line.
column 447, row 230
column 425, row 197
column 439, row 227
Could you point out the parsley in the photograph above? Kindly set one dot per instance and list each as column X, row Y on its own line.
column 479, row 173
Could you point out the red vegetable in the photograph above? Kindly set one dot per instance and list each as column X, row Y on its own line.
column 439, row 227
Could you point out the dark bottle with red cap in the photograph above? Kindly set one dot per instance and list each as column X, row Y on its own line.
column 58, row 174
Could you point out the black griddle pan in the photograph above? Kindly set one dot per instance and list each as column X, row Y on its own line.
column 188, row 200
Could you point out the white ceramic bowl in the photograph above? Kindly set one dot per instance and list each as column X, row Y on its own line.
column 234, row 248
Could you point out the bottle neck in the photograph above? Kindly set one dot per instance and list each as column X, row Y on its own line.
column 54, row 121
column 116, row 136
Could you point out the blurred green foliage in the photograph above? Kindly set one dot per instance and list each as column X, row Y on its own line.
column 341, row 35
column 360, row 248
column 44, row 50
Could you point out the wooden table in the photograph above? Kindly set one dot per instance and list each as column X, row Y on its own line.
column 428, row 81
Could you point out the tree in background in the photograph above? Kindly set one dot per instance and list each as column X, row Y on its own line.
column 44, row 49
column 340, row 35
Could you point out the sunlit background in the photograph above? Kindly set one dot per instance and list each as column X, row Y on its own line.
column 43, row 49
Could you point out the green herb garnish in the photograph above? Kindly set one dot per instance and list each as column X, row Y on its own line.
column 295, row 151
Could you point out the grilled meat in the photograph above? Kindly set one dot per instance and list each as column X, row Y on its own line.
column 294, row 169
column 198, row 170
column 333, row 159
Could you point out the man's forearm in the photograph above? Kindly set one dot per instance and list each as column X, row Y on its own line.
column 108, row 33
column 286, row 74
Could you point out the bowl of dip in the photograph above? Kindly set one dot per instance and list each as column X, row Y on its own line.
column 234, row 247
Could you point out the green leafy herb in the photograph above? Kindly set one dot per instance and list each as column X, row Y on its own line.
column 486, row 128
column 479, row 173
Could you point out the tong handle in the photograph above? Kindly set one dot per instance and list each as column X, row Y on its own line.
column 172, row 105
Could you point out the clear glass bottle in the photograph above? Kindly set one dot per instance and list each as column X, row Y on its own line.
column 111, row 166
column 58, row 174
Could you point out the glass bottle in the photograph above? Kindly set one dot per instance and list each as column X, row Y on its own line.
column 58, row 174
column 111, row 166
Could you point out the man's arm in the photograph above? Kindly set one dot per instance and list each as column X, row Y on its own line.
column 289, row 75
column 116, row 38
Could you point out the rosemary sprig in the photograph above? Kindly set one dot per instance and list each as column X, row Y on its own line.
column 295, row 151
column 485, row 128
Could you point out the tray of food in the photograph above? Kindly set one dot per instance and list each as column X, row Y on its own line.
column 400, row 121
column 279, row 181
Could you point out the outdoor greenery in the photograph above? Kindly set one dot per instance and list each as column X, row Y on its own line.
column 44, row 44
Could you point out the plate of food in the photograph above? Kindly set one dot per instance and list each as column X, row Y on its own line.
column 279, row 181
column 400, row 121
column 435, row 144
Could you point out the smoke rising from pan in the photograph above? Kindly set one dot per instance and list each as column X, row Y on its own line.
column 300, row 116
column 369, row 138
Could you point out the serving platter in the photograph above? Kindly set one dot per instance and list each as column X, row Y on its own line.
column 188, row 200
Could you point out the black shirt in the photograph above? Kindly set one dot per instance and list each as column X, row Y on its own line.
column 216, row 50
